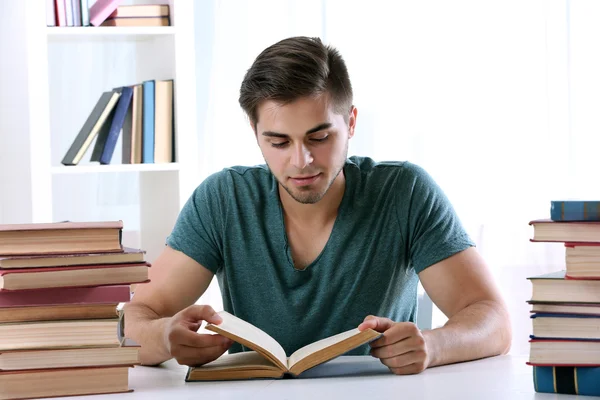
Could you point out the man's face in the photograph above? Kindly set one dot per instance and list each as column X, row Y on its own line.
column 305, row 144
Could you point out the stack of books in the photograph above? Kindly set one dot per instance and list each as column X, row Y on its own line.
column 143, row 113
column 565, row 305
column 61, row 332
column 105, row 13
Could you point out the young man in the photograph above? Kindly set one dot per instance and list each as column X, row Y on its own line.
column 315, row 243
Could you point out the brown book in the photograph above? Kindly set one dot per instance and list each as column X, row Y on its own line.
column 268, row 360
column 554, row 287
column 73, row 276
column 564, row 352
column 126, row 354
column 63, row 382
column 142, row 10
column 132, row 129
column 546, row 230
column 582, row 260
column 59, row 334
column 143, row 21
column 59, row 312
column 163, row 121
column 128, row 255
column 60, row 238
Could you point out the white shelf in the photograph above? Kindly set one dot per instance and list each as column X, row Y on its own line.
column 102, row 31
column 85, row 169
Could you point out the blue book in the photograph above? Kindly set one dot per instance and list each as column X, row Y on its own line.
column 567, row 380
column 116, row 125
column 148, row 122
column 574, row 210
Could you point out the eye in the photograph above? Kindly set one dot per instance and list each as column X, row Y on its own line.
column 279, row 145
column 320, row 139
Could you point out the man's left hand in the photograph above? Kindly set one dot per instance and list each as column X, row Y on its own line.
column 402, row 348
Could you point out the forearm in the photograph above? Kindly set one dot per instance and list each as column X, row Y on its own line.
column 146, row 328
column 480, row 330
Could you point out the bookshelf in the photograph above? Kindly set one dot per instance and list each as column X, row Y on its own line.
column 53, row 81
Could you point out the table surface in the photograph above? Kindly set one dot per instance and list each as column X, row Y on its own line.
column 364, row 377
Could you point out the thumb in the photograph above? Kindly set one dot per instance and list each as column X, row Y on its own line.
column 198, row 313
column 378, row 324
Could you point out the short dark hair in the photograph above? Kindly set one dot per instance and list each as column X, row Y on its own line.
column 293, row 68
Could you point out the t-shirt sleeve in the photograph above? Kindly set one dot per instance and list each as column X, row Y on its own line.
column 199, row 226
column 434, row 231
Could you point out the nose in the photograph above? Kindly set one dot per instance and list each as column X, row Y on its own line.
column 301, row 156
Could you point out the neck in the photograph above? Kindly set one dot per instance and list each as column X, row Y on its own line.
column 320, row 212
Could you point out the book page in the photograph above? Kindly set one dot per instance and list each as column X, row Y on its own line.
column 245, row 360
column 307, row 350
column 249, row 335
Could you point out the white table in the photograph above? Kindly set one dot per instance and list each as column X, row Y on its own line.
column 363, row 377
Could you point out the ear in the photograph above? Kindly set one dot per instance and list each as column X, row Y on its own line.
column 352, row 121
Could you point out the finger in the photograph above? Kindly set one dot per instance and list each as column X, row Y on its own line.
column 412, row 343
column 192, row 339
column 197, row 313
column 409, row 369
column 412, row 357
column 398, row 332
column 193, row 356
column 376, row 323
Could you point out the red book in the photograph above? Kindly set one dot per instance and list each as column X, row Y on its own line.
column 57, row 296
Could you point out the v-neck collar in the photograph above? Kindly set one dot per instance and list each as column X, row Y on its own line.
column 336, row 224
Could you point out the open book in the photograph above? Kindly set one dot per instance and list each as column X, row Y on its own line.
column 268, row 360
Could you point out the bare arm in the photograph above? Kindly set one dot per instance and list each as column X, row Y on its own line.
column 478, row 322
column 177, row 281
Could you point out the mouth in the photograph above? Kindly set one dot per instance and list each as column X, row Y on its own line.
column 304, row 180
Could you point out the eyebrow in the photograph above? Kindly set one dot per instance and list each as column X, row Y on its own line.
column 320, row 127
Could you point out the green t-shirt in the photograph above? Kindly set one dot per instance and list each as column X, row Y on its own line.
column 393, row 222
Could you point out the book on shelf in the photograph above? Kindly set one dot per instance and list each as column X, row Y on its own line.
column 116, row 125
column 129, row 255
column 59, row 334
column 58, row 312
column 575, row 210
column 101, row 10
column 565, row 308
column 554, row 287
column 269, row 360
column 548, row 352
column 141, row 10
column 95, row 123
column 132, row 129
column 582, row 260
column 565, row 326
column 26, row 384
column 567, row 380
column 63, row 296
column 60, row 238
column 102, row 135
column 546, row 230
column 73, row 276
column 148, row 122
column 163, row 121
column 125, row 354
column 137, row 21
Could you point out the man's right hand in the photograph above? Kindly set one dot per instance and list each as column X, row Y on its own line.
column 189, row 347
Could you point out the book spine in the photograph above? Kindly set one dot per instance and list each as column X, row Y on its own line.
column 567, row 380
column 116, row 125
column 61, row 13
column 50, row 13
column 85, row 13
column 148, row 123
column 575, row 210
